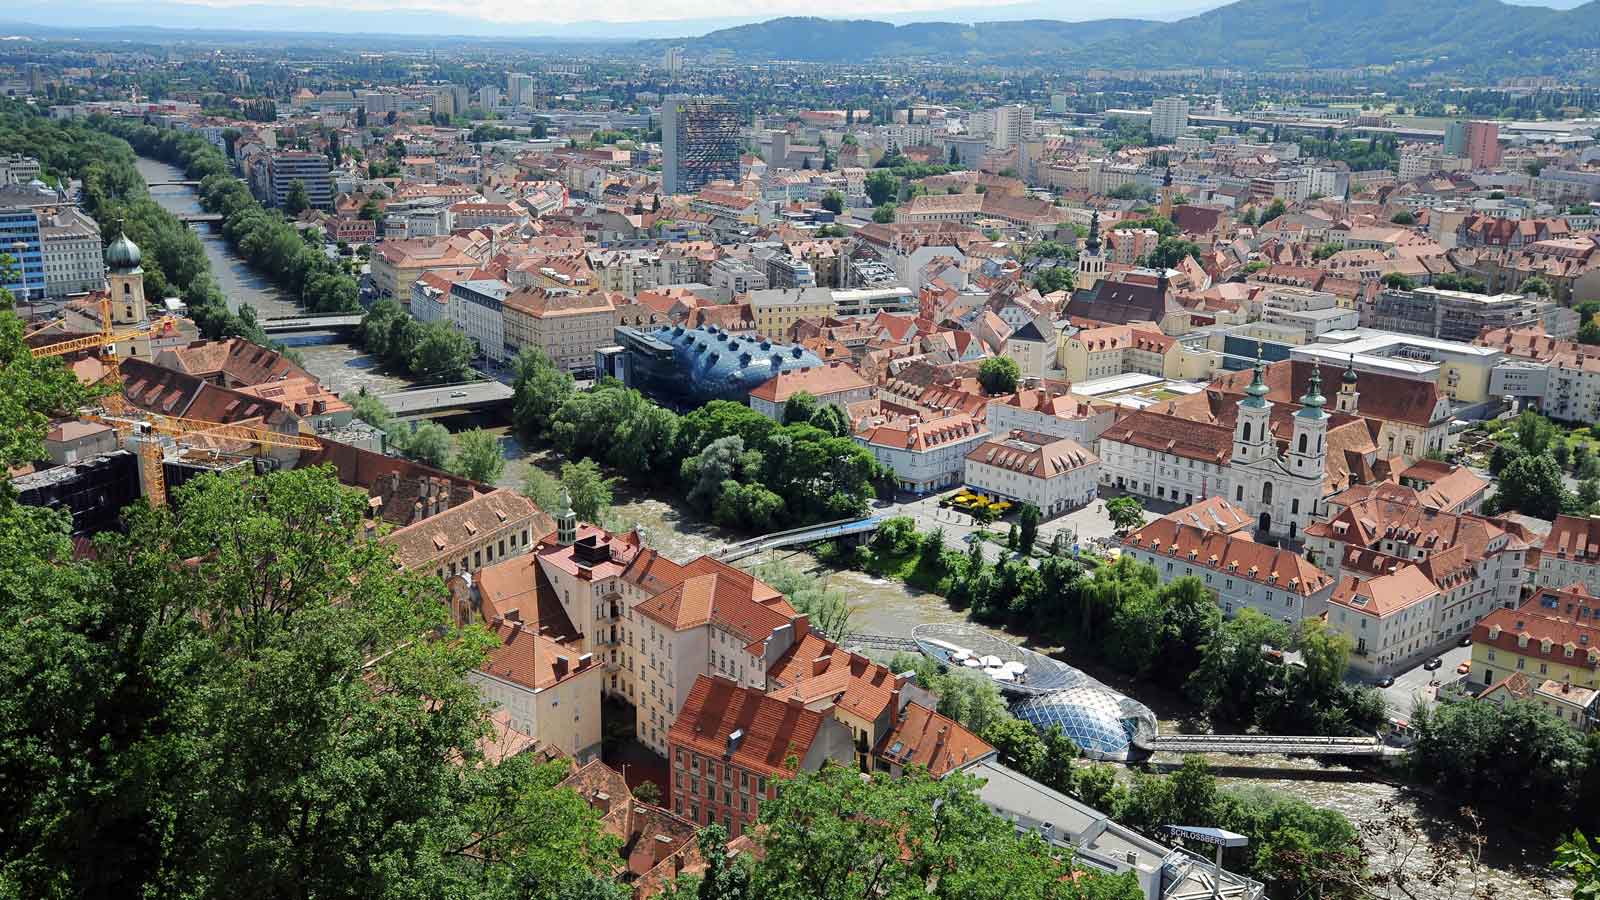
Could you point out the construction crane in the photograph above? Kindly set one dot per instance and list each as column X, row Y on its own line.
column 146, row 428
column 106, row 338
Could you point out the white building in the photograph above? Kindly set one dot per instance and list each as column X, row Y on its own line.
column 1168, row 118
column 546, row 689
column 73, row 259
column 1389, row 619
column 1571, row 554
column 924, row 456
column 1280, row 584
column 476, row 310
column 1054, row 474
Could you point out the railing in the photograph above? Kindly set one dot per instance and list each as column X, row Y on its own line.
column 1247, row 744
column 806, row 535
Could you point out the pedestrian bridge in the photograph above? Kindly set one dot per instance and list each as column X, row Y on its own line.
column 1251, row 744
column 193, row 218
column 435, row 401
column 795, row 536
column 156, row 184
column 298, row 324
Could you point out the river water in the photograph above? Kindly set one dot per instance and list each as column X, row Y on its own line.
column 1515, row 867
column 340, row 366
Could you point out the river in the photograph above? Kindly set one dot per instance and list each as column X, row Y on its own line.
column 339, row 365
column 1515, row 866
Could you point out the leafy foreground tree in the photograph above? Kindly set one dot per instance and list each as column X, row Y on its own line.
column 243, row 690
column 831, row 835
column 478, row 456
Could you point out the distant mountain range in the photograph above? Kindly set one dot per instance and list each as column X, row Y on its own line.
column 1247, row 33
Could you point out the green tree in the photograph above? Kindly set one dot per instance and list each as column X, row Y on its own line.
column 1169, row 252
column 1050, row 279
column 725, row 877
column 1532, row 485
column 1403, row 217
column 884, row 214
column 589, row 490
column 1126, row 512
column 1029, row 519
column 1273, row 211
column 263, row 714
column 1399, row 282
column 998, row 375
column 1578, row 859
column 881, row 187
column 800, row 407
column 425, row 442
column 441, row 355
column 478, row 456
column 828, row 608
column 1235, row 682
column 538, row 390
column 831, row 418
column 1537, row 286
column 297, row 201
column 833, row 202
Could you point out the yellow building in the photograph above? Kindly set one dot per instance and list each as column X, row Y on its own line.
column 775, row 310
column 1544, row 639
column 397, row 264
column 1121, row 349
column 567, row 327
column 548, row 690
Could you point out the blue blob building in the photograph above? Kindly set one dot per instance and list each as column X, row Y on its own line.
column 689, row 367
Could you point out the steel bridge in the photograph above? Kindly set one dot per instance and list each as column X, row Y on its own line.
column 807, row 535
column 881, row 642
column 296, row 324
column 1251, row 744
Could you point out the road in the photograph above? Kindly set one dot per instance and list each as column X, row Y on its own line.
column 1412, row 686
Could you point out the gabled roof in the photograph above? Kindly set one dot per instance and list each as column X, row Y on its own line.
column 770, row 730
column 1238, row 556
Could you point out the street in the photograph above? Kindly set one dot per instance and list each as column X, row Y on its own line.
column 1413, row 685
column 1080, row 525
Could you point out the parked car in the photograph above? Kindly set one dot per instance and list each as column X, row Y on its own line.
column 1464, row 668
column 1466, row 640
column 1386, row 681
column 1433, row 663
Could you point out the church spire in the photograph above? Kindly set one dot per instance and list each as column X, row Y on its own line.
column 1311, row 404
column 1256, row 393
column 1092, row 244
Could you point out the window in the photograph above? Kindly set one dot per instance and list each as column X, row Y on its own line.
column 1302, row 443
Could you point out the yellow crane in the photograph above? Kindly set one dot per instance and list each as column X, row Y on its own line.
column 146, row 427
column 106, row 338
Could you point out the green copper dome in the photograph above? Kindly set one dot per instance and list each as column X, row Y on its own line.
column 1311, row 404
column 123, row 255
column 1350, row 376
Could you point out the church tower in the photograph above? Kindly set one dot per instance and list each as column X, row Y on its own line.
column 1349, row 398
column 1166, row 195
column 1252, row 437
column 126, row 281
column 1308, row 447
column 1091, row 263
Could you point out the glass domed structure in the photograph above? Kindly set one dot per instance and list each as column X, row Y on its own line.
column 1104, row 723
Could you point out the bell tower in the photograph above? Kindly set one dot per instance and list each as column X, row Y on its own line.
column 1349, row 398
column 126, row 281
column 1091, row 263
column 1252, row 437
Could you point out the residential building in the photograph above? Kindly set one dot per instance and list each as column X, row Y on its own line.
column 834, row 384
column 1480, row 143
column 699, row 142
column 312, row 170
column 1571, row 554
column 1452, row 315
column 1054, row 474
column 729, row 746
column 1389, row 619
column 73, row 260
column 549, row 691
column 476, row 310
column 1051, row 412
column 1169, row 116
column 1553, row 636
column 568, row 327
column 474, row 532
column 396, row 264
column 1033, row 349
column 18, row 169
column 1240, row 573
column 1477, row 564
column 775, row 310
column 923, row 455
column 732, row 277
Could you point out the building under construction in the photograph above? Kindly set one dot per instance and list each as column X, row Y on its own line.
column 699, row 142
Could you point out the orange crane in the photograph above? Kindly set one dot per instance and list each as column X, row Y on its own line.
column 146, row 429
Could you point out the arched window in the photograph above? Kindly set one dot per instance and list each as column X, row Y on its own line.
column 1302, row 443
column 1239, row 494
column 1247, row 432
column 1266, row 492
column 127, row 288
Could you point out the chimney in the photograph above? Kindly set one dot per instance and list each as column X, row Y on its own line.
column 796, row 704
column 820, row 665
column 735, row 738
column 601, row 801
column 561, row 666
column 585, row 661
column 512, row 615
column 665, row 846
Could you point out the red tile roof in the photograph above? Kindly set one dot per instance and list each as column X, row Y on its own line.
column 770, row 730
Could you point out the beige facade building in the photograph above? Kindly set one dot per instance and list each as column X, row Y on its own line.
column 549, row 691
column 775, row 310
column 396, row 264
column 1054, row 474
column 567, row 327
